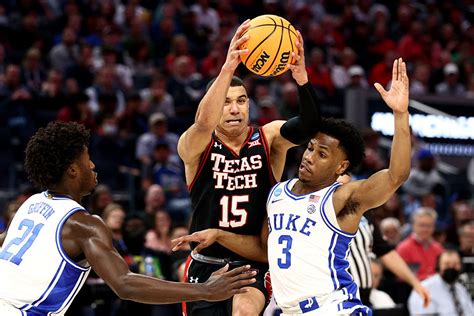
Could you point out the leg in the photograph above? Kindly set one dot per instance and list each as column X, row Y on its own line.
column 248, row 304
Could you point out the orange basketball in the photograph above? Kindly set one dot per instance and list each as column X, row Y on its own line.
column 272, row 39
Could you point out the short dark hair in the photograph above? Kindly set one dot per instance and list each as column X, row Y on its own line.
column 52, row 150
column 235, row 82
column 349, row 139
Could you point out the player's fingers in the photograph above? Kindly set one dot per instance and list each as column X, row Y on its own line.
column 380, row 89
column 239, row 270
column 394, row 70
column 243, row 283
column 177, row 246
column 221, row 270
column 199, row 247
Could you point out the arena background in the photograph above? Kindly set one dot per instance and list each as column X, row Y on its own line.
column 114, row 64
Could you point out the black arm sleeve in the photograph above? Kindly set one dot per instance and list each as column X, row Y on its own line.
column 300, row 129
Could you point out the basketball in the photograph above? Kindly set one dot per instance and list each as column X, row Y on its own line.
column 272, row 39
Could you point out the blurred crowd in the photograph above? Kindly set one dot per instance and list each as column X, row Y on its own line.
column 134, row 71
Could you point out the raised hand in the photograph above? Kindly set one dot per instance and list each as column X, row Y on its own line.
column 222, row 284
column 397, row 97
column 298, row 69
column 234, row 51
column 205, row 238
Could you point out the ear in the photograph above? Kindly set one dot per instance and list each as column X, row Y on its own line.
column 73, row 170
column 342, row 167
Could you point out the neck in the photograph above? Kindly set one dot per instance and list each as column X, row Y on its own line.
column 64, row 190
column 301, row 187
column 235, row 140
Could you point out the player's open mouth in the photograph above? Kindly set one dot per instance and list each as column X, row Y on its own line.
column 303, row 167
column 233, row 122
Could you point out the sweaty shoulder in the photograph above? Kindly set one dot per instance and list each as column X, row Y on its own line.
column 80, row 228
column 272, row 130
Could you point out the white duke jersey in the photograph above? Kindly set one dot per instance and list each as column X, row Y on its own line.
column 308, row 254
column 36, row 275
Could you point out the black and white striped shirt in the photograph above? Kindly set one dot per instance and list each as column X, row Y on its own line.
column 368, row 240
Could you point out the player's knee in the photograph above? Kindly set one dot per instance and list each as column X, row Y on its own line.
column 246, row 308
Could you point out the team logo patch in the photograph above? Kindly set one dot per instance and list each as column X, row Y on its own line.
column 254, row 143
column 255, row 136
column 311, row 208
column 217, row 145
column 277, row 192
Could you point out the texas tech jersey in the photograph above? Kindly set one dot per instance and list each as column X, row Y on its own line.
column 230, row 190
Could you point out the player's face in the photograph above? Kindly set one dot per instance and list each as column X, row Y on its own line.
column 88, row 177
column 234, row 118
column 323, row 161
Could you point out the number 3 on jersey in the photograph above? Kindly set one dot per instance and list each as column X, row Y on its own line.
column 239, row 213
column 285, row 263
column 32, row 230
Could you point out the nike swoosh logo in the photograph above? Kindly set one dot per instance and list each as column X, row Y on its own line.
column 274, row 201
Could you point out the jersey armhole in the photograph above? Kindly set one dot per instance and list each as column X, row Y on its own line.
column 59, row 243
column 202, row 162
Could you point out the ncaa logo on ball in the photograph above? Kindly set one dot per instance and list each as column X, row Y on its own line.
column 311, row 209
column 260, row 61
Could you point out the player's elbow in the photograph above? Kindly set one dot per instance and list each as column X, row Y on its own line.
column 123, row 289
column 398, row 178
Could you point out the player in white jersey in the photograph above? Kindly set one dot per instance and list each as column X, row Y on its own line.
column 312, row 219
column 52, row 242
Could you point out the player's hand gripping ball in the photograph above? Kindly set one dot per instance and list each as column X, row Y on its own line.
column 272, row 39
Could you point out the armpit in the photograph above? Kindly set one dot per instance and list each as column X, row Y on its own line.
column 350, row 208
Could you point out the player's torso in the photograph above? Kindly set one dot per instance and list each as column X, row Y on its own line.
column 230, row 190
column 307, row 254
column 35, row 273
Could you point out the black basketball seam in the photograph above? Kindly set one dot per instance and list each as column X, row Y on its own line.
column 278, row 50
column 262, row 41
column 260, row 25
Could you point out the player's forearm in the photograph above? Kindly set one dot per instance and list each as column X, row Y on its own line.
column 143, row 289
column 210, row 108
column 247, row 246
column 300, row 129
column 398, row 266
column 400, row 157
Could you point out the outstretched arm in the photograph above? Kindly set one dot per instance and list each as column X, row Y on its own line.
column 193, row 142
column 384, row 183
column 248, row 246
column 300, row 129
column 89, row 235
column 398, row 266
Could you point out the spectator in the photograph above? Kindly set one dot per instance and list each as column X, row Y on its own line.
column 32, row 70
column 420, row 250
column 106, row 84
column 155, row 201
column 158, row 238
column 450, row 85
column 66, row 53
column 419, row 84
column 424, row 178
column 340, row 73
column 114, row 216
column 448, row 296
column 77, row 110
column 158, row 125
column 466, row 252
column 99, row 199
column 82, row 70
column 157, row 98
column 207, row 17
column 390, row 229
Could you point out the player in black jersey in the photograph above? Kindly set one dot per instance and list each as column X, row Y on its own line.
column 230, row 168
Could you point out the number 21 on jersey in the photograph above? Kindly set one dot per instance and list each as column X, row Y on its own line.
column 30, row 232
